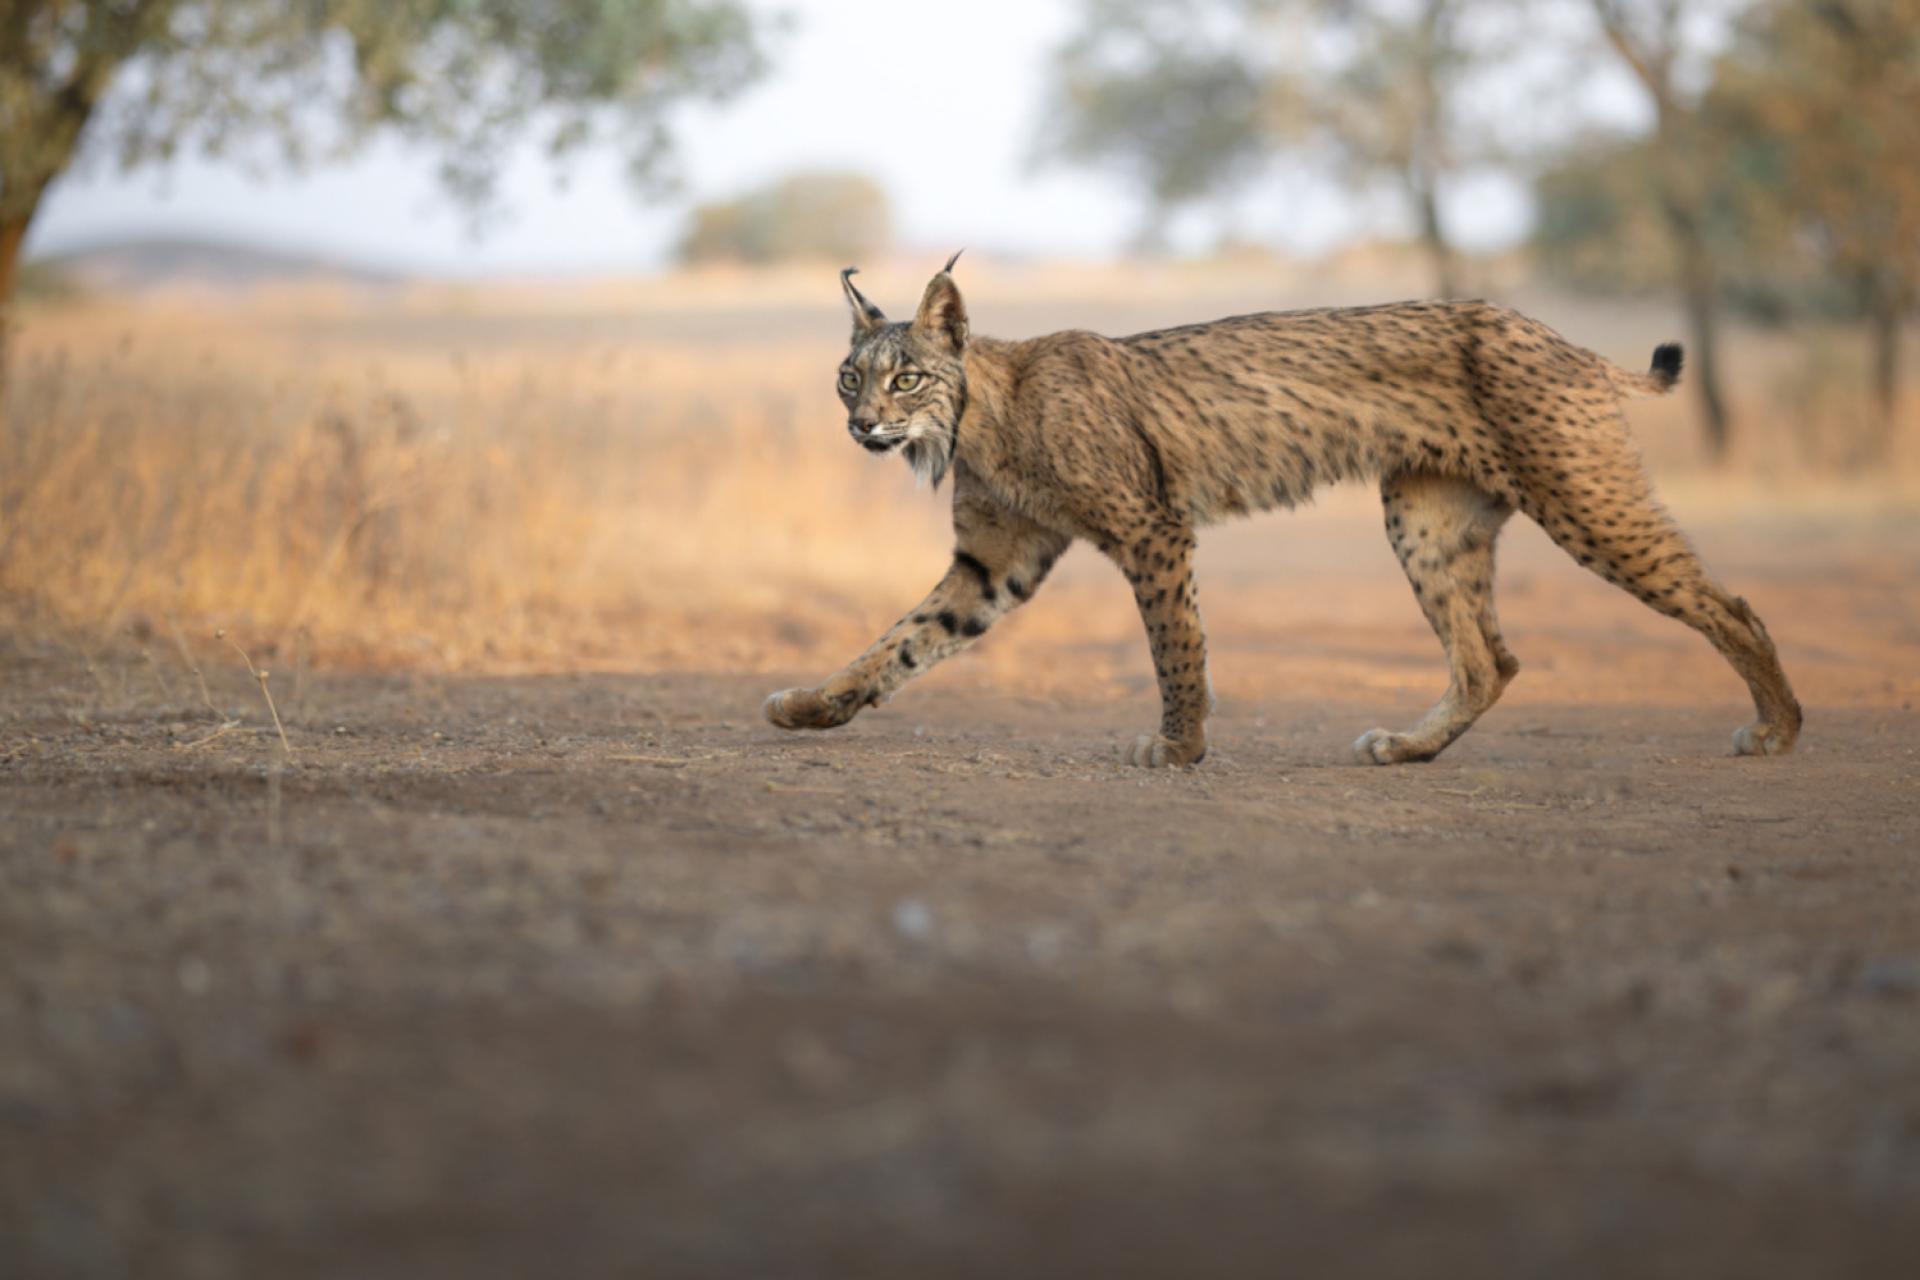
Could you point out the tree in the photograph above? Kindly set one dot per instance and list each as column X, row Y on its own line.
column 1595, row 224
column 839, row 216
column 140, row 80
column 1158, row 90
column 1650, row 39
column 1190, row 97
column 1832, row 85
column 1389, row 110
column 1598, row 224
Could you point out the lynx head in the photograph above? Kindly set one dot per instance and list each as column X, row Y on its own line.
column 905, row 385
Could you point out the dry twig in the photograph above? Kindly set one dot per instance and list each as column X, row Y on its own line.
column 286, row 747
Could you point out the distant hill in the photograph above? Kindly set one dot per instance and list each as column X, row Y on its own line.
column 136, row 266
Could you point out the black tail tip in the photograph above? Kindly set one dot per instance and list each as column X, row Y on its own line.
column 1667, row 358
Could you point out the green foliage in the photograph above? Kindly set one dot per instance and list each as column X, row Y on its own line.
column 469, row 78
column 1188, row 99
column 1833, row 89
column 838, row 216
column 1801, row 156
column 1600, row 225
column 1596, row 226
column 1158, row 91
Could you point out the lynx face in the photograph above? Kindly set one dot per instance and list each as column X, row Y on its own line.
column 905, row 385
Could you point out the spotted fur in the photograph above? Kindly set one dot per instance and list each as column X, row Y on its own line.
column 1465, row 412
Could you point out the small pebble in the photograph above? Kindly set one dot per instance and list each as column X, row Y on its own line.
column 913, row 919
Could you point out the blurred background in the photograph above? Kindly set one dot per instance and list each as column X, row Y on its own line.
column 501, row 335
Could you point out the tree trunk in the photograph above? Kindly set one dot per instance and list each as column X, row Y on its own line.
column 1433, row 237
column 53, row 118
column 13, row 234
column 1678, row 171
column 1883, row 320
column 1702, row 303
column 1700, row 298
column 1426, row 159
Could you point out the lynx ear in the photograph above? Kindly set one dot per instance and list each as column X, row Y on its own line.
column 943, row 314
column 866, row 316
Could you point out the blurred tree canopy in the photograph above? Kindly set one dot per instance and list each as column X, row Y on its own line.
column 1189, row 99
column 1779, row 171
column 1787, row 184
column 135, row 81
column 1599, row 225
column 1159, row 91
column 1654, row 41
column 841, row 216
column 1832, row 87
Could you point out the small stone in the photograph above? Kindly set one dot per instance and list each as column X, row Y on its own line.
column 194, row 975
column 913, row 919
column 1046, row 943
column 813, row 1063
column 1891, row 978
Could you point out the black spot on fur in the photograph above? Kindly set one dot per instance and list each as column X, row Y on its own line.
column 951, row 623
column 978, row 570
column 973, row 627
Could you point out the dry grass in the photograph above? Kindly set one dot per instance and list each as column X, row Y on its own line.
column 454, row 506
column 643, row 476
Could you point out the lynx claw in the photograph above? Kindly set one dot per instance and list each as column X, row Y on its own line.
column 804, row 709
column 1760, row 740
column 1375, row 746
column 1151, row 751
column 1383, row 746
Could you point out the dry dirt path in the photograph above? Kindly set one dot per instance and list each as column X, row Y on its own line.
column 598, row 975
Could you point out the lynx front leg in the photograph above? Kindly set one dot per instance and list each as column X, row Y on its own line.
column 1160, row 567
column 999, row 562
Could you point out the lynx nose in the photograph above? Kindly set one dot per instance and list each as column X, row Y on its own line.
column 861, row 428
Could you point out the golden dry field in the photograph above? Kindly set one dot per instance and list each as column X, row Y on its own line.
column 653, row 476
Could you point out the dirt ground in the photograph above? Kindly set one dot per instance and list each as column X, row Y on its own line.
column 597, row 974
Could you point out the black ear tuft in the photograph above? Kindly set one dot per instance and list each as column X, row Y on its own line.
column 866, row 316
column 948, row 269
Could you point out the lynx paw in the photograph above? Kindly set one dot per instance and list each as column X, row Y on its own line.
column 1151, row 751
column 806, row 709
column 1760, row 740
column 1383, row 746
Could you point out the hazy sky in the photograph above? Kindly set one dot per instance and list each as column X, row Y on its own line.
column 938, row 102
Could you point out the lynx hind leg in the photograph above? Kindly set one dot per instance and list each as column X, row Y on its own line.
column 1160, row 568
column 1602, row 512
column 1443, row 530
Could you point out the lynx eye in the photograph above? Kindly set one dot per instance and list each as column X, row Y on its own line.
column 907, row 381
column 849, row 380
